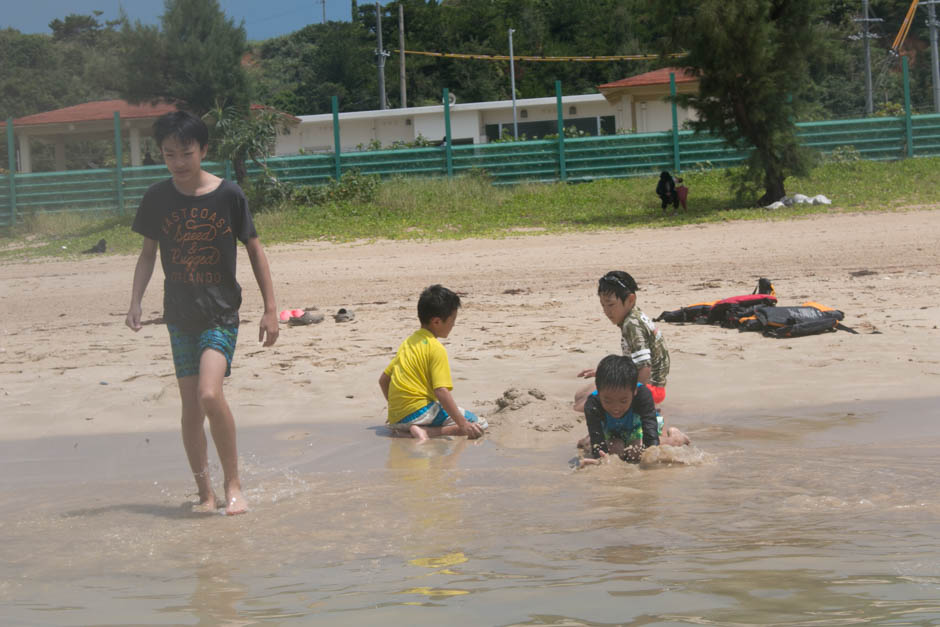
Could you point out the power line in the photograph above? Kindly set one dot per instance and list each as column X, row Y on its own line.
column 580, row 58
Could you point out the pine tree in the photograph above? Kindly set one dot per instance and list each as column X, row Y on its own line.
column 752, row 58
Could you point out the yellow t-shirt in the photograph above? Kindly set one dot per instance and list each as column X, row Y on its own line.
column 418, row 368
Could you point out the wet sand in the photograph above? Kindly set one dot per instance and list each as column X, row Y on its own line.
column 813, row 499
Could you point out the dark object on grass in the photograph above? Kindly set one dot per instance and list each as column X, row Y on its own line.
column 100, row 247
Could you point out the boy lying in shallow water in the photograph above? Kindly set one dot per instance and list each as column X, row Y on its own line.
column 621, row 417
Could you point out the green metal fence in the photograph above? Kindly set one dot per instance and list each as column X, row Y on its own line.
column 81, row 190
column 614, row 156
column 578, row 159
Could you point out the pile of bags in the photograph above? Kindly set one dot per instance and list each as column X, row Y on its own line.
column 759, row 312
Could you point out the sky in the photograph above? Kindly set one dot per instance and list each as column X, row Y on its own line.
column 263, row 19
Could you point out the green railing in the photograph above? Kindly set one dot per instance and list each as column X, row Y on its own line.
column 82, row 190
column 578, row 159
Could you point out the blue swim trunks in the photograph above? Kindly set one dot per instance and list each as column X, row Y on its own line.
column 433, row 415
column 188, row 346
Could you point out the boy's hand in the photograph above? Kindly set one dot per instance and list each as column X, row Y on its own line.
column 587, row 374
column 472, row 430
column 269, row 329
column 133, row 318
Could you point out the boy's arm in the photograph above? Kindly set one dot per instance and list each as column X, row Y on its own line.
column 142, row 273
column 268, row 331
column 384, row 381
column 594, row 417
column 646, row 409
column 637, row 347
column 446, row 399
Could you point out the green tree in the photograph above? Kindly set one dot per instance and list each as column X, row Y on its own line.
column 240, row 135
column 41, row 73
column 194, row 58
column 300, row 72
column 752, row 59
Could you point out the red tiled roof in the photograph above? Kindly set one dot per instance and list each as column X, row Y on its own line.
column 104, row 110
column 95, row 111
column 656, row 77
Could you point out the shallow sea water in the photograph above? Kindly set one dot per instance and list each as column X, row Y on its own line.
column 821, row 516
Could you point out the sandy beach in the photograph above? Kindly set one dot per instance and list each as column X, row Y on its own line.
column 530, row 319
column 84, row 398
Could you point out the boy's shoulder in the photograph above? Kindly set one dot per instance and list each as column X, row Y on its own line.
column 636, row 317
column 420, row 337
column 161, row 188
column 229, row 192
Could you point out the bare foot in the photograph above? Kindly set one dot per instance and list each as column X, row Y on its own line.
column 235, row 502
column 208, row 505
column 418, row 433
column 673, row 437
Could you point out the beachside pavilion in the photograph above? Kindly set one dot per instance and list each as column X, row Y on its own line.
column 91, row 120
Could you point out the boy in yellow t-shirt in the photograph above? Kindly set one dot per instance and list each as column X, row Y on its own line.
column 417, row 382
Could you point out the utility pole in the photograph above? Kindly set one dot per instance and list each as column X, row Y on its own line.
column 401, row 55
column 934, row 56
column 380, row 55
column 867, row 37
column 512, row 79
column 323, row 4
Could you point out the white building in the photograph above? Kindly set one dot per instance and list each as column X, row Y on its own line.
column 636, row 104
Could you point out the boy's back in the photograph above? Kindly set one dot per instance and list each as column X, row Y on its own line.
column 417, row 382
column 419, row 367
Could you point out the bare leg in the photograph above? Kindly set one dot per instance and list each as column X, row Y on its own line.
column 212, row 367
column 580, row 397
column 418, row 433
column 194, row 441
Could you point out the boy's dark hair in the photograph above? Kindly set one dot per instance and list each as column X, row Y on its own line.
column 182, row 125
column 618, row 283
column 615, row 371
column 437, row 302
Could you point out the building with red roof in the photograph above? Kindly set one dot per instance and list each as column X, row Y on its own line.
column 642, row 101
column 90, row 120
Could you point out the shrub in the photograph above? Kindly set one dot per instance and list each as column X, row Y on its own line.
column 353, row 186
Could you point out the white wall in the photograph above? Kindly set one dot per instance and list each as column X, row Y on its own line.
column 464, row 124
column 314, row 133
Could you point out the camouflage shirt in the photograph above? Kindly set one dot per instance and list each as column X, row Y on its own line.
column 642, row 342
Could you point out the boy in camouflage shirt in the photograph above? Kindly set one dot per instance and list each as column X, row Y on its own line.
column 640, row 338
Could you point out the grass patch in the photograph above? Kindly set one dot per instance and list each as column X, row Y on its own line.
column 462, row 207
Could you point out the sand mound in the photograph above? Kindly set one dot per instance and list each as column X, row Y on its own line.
column 528, row 418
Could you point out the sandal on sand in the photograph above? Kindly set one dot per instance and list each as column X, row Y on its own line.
column 344, row 315
column 308, row 317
